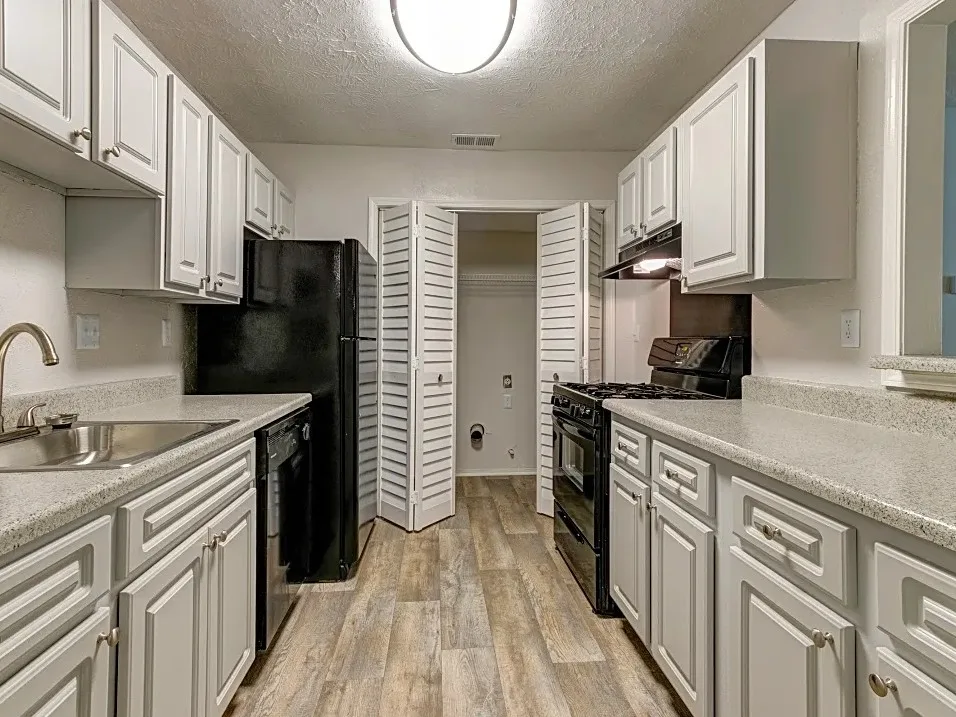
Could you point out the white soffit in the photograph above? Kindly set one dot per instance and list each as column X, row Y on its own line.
column 575, row 75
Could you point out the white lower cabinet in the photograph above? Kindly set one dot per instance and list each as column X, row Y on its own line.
column 790, row 655
column 630, row 549
column 70, row 679
column 682, row 603
column 231, row 644
column 188, row 623
column 904, row 691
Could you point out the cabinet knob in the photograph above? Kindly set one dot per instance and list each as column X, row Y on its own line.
column 213, row 545
column 881, row 686
column 556, row 378
column 219, row 282
column 111, row 638
column 652, row 507
column 821, row 639
column 637, row 497
column 222, row 536
column 770, row 531
column 114, row 151
column 620, row 445
column 670, row 474
column 85, row 133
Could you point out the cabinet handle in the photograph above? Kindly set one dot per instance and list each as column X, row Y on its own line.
column 881, row 686
column 556, row 378
column 84, row 133
column 770, row 531
column 821, row 639
column 637, row 497
column 114, row 151
column 213, row 545
column 652, row 507
column 221, row 537
column 620, row 445
column 218, row 282
column 111, row 638
column 672, row 475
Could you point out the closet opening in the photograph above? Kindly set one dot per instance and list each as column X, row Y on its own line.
column 496, row 335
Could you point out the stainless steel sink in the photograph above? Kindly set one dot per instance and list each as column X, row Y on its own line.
column 99, row 445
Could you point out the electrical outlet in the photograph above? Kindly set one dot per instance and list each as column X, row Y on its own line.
column 87, row 332
column 507, row 400
column 167, row 333
column 850, row 329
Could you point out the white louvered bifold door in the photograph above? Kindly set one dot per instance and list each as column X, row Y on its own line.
column 434, row 278
column 594, row 296
column 395, row 446
column 560, row 324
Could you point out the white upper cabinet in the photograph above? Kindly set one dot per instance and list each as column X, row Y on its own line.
column 260, row 197
column 629, row 197
column 129, row 135
column 660, row 182
column 717, row 136
column 768, row 194
column 188, row 187
column 45, row 68
column 285, row 212
column 227, row 197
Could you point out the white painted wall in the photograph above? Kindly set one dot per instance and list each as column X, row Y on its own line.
column 496, row 336
column 32, row 279
column 333, row 184
column 641, row 314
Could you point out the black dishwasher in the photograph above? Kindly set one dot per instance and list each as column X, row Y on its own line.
column 283, row 467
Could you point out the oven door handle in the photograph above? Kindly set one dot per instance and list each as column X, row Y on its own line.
column 573, row 430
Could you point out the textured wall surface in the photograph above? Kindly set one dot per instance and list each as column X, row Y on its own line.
column 32, row 279
column 602, row 74
column 333, row 184
column 496, row 336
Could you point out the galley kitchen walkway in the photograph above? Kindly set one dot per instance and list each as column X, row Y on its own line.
column 476, row 616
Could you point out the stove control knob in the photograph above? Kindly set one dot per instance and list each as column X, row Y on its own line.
column 586, row 413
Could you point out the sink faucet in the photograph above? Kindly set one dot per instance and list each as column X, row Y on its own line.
column 47, row 350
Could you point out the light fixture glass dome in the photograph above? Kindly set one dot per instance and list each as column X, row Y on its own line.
column 454, row 36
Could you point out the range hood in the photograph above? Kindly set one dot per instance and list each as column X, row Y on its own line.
column 657, row 257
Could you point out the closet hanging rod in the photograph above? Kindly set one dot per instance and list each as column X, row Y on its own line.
column 497, row 279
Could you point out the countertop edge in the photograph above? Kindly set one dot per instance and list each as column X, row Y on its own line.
column 124, row 481
column 868, row 505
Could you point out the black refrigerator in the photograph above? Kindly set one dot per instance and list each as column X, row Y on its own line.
column 308, row 324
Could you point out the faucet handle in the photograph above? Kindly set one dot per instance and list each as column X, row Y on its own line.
column 28, row 418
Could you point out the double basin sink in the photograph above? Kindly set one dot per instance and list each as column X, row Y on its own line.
column 99, row 445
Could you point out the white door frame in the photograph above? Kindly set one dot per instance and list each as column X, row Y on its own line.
column 496, row 206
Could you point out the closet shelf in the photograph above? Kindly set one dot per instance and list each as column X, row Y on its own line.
column 497, row 279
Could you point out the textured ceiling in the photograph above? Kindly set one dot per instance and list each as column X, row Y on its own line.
column 576, row 74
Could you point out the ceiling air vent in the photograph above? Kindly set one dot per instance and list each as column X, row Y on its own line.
column 474, row 141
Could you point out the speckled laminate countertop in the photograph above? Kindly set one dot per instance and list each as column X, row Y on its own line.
column 34, row 504
column 901, row 479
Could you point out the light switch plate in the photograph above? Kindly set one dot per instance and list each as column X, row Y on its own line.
column 507, row 400
column 850, row 329
column 87, row 332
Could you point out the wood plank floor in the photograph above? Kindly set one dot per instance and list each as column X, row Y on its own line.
column 475, row 617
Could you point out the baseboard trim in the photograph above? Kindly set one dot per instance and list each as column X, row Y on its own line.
column 492, row 474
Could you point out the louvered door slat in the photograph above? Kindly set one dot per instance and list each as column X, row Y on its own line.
column 594, row 297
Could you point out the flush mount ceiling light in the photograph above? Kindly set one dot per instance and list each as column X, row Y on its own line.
column 454, row 36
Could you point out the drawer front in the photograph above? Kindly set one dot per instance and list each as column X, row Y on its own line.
column 630, row 449
column 797, row 540
column 48, row 588
column 914, row 693
column 916, row 604
column 154, row 522
column 687, row 479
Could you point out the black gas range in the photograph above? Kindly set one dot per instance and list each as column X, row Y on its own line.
column 686, row 369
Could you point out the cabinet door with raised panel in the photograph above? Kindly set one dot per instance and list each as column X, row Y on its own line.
column 71, row 679
column 629, row 198
column 231, row 644
column 285, row 211
column 260, row 196
column 630, row 549
column 716, row 146
column 227, row 197
column 161, row 660
column 902, row 690
column 660, row 182
column 791, row 655
column 130, row 89
column 682, row 603
column 188, row 187
column 45, row 67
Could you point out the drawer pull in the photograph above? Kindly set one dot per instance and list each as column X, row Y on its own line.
column 652, row 507
column 821, row 639
column 770, row 531
column 621, row 446
column 637, row 498
column 672, row 475
column 221, row 537
column 881, row 686
column 213, row 545
column 111, row 638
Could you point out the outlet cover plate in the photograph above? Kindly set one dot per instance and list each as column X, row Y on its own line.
column 87, row 332
column 850, row 329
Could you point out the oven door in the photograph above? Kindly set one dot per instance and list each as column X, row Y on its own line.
column 575, row 447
